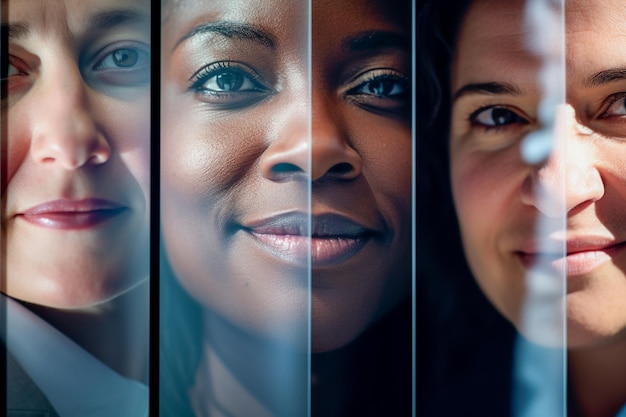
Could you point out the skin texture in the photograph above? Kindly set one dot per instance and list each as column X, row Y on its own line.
column 78, row 128
column 229, row 164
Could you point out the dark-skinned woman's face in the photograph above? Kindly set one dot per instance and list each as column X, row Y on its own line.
column 286, row 162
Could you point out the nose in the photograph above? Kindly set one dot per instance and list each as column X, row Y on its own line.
column 312, row 143
column 64, row 132
column 569, row 180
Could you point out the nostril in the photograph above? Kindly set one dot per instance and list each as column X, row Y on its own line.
column 342, row 169
column 285, row 168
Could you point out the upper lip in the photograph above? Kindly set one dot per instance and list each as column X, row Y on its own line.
column 327, row 225
column 570, row 246
column 64, row 205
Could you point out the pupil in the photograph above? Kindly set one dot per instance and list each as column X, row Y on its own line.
column 229, row 81
column 125, row 57
column 380, row 88
column 503, row 117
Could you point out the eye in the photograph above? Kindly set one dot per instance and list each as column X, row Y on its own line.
column 382, row 87
column 496, row 116
column 123, row 64
column 228, row 84
column 17, row 76
column 617, row 106
column 121, row 58
column 13, row 70
column 380, row 90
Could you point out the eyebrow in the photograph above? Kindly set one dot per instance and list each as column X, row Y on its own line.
column 113, row 18
column 375, row 40
column 234, row 30
column 491, row 88
column 14, row 31
column 605, row 77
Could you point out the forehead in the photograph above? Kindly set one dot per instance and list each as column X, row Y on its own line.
column 57, row 17
column 492, row 43
column 596, row 37
column 280, row 17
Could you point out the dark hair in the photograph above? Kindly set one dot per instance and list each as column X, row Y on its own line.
column 464, row 346
column 180, row 344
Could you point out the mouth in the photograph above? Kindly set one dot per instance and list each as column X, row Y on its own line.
column 66, row 214
column 578, row 257
column 326, row 239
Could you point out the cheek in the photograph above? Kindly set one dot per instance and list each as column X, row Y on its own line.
column 127, row 128
column 386, row 150
column 16, row 147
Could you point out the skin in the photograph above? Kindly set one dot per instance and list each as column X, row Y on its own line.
column 246, row 160
column 77, row 128
column 496, row 193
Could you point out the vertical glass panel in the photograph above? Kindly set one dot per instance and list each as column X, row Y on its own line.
column 235, row 198
column 75, row 206
column 361, row 208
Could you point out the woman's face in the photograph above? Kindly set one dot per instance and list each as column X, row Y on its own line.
column 76, row 159
column 258, row 135
column 495, row 83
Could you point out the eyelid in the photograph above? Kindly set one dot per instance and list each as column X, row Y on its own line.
column 372, row 74
column 474, row 115
column 104, row 52
column 609, row 102
column 210, row 70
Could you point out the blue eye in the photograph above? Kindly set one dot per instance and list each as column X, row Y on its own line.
column 226, row 80
column 123, row 64
column 228, row 85
column 120, row 58
column 382, row 86
column 381, row 90
column 124, row 58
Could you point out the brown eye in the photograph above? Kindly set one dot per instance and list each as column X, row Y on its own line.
column 496, row 117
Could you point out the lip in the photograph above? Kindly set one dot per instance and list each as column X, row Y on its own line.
column 582, row 254
column 67, row 214
column 327, row 239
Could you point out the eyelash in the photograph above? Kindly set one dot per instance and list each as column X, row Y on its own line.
column 238, row 74
column 473, row 118
column 387, row 100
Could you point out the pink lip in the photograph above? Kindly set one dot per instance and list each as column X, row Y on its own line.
column 328, row 238
column 66, row 214
column 582, row 257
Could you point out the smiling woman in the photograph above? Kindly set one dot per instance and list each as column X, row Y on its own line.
column 75, row 205
column 561, row 215
column 286, row 204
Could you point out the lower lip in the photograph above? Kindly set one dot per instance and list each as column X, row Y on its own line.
column 322, row 251
column 575, row 264
column 75, row 220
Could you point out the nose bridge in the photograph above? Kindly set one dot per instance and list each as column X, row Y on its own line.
column 64, row 131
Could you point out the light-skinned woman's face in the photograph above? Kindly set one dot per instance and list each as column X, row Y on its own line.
column 250, row 131
column 76, row 157
column 497, row 195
